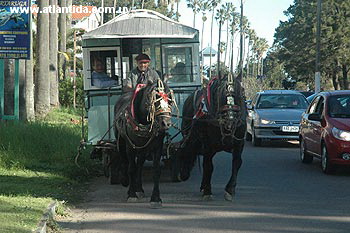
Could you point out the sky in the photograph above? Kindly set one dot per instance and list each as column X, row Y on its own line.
column 264, row 16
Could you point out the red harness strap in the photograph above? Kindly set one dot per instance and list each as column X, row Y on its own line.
column 209, row 90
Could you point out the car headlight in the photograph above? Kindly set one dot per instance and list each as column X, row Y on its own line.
column 341, row 134
column 266, row 122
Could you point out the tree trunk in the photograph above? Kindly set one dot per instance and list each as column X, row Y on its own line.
column 194, row 20
column 248, row 59
column 29, row 85
column 22, row 97
column 211, row 42
column 219, row 50
column 42, row 82
column 29, row 90
column 53, row 48
column 231, row 51
column 227, row 43
column 177, row 10
column 69, row 16
column 335, row 79
column 345, row 77
column 202, row 47
column 63, row 41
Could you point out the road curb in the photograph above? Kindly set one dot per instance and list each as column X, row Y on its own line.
column 48, row 215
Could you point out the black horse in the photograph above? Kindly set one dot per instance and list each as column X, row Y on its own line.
column 214, row 120
column 141, row 119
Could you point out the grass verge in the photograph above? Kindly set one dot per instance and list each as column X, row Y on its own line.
column 37, row 166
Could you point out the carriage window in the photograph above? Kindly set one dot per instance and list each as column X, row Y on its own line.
column 178, row 64
column 104, row 68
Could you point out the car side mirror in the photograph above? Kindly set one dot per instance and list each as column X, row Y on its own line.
column 249, row 104
column 250, row 107
column 314, row 117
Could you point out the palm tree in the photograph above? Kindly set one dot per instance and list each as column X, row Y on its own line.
column 233, row 21
column 213, row 4
column 220, row 17
column 260, row 46
column 251, row 38
column 62, row 47
column 204, row 6
column 29, row 85
column 195, row 6
column 229, row 10
column 53, row 48
column 42, row 84
column 177, row 16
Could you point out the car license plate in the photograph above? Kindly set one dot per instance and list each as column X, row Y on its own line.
column 290, row 128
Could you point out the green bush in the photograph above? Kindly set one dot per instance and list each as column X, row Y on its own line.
column 66, row 92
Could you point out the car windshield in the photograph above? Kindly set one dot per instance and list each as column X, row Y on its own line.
column 339, row 106
column 292, row 101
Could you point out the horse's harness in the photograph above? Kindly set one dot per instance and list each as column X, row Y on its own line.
column 226, row 117
column 158, row 105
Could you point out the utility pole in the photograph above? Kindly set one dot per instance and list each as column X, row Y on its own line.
column 318, row 48
column 241, row 46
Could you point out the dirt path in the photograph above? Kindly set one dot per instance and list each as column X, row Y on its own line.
column 105, row 210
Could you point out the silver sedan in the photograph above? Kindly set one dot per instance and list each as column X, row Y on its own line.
column 275, row 114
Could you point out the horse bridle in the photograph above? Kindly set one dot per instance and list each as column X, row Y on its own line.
column 228, row 114
column 158, row 94
column 162, row 109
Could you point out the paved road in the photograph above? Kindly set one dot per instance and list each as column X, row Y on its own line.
column 276, row 193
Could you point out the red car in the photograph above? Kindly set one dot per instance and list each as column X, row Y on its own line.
column 325, row 130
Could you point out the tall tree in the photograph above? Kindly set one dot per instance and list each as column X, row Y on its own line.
column 251, row 39
column 220, row 17
column 53, row 48
column 229, row 14
column 42, row 83
column 62, row 47
column 204, row 6
column 213, row 4
column 195, row 6
column 233, row 28
column 296, row 41
column 29, row 84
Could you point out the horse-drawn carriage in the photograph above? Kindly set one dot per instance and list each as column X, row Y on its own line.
column 213, row 119
column 174, row 52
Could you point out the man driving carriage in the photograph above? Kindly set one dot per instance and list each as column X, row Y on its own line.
column 141, row 74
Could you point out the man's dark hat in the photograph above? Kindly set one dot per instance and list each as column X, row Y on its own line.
column 143, row 58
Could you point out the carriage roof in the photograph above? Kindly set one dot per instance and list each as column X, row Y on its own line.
column 142, row 24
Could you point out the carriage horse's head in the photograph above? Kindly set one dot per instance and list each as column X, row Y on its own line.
column 229, row 110
column 161, row 99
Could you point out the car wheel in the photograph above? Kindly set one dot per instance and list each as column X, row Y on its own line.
column 255, row 141
column 304, row 156
column 326, row 166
